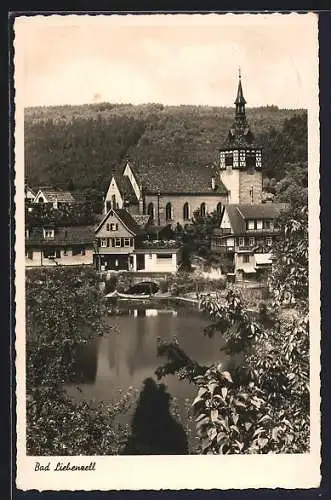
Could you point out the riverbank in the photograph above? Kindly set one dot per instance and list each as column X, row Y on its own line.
column 188, row 299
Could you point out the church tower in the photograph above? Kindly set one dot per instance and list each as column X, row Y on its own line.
column 240, row 158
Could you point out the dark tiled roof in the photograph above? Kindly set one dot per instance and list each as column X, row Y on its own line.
column 52, row 195
column 173, row 178
column 68, row 235
column 262, row 210
column 127, row 220
column 237, row 222
column 125, row 188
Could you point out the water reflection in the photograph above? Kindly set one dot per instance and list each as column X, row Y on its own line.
column 128, row 355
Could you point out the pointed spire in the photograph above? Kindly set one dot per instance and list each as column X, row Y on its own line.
column 240, row 95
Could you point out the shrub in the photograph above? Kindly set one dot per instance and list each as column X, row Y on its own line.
column 164, row 286
column 64, row 309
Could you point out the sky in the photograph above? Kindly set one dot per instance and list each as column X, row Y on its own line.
column 168, row 59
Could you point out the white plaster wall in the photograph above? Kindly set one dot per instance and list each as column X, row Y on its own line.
column 230, row 178
column 113, row 190
column 65, row 260
column 160, row 265
column 225, row 223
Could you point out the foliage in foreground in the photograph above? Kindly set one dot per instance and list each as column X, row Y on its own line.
column 63, row 312
column 260, row 405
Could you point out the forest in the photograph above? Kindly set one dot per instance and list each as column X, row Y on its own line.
column 79, row 147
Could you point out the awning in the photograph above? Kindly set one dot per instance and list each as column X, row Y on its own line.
column 249, row 269
column 263, row 259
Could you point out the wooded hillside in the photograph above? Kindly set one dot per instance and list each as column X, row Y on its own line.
column 79, row 147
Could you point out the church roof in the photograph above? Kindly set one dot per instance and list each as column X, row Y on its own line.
column 125, row 188
column 173, row 178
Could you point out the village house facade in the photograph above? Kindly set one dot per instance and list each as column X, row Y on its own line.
column 245, row 237
column 124, row 245
column 236, row 177
column 53, row 246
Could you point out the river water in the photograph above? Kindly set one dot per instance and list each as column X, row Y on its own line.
column 127, row 355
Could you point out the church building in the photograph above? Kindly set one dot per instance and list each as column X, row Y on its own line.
column 173, row 197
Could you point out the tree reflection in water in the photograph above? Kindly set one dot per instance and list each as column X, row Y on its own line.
column 154, row 431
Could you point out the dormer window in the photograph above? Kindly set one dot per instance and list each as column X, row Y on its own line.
column 250, row 224
column 48, row 234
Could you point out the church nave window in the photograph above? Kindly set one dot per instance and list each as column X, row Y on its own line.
column 150, row 210
column 219, row 208
column 203, row 209
column 186, row 211
column 168, row 211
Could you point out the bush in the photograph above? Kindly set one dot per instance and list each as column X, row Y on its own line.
column 111, row 283
column 164, row 286
column 64, row 310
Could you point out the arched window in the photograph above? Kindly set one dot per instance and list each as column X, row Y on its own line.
column 41, row 199
column 186, row 211
column 113, row 201
column 168, row 211
column 150, row 210
column 203, row 209
column 219, row 208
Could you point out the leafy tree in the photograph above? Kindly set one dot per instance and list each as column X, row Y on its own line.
column 293, row 188
column 197, row 235
column 260, row 403
column 63, row 312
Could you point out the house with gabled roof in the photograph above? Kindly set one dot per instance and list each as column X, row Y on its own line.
column 57, row 198
column 122, row 244
column 49, row 245
column 245, row 238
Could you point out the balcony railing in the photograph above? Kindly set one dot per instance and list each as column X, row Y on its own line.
column 264, row 230
column 158, row 244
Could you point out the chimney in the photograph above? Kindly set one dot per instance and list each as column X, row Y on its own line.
column 213, row 185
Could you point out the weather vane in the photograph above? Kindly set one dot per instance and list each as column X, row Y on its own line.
column 239, row 72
